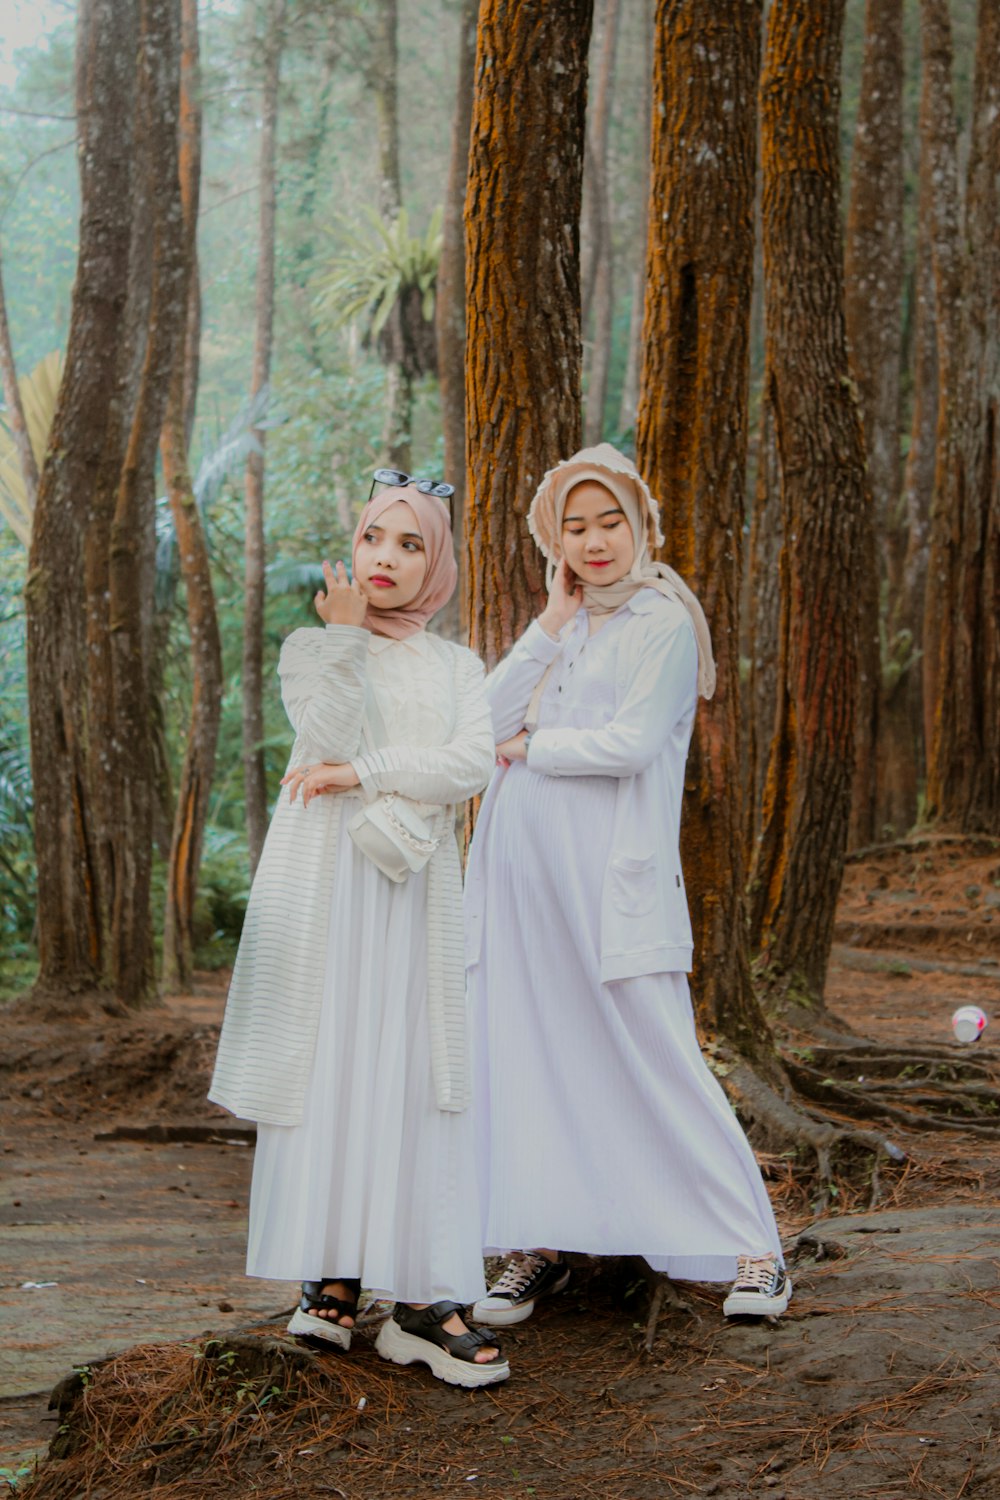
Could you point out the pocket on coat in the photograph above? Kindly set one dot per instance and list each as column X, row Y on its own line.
column 633, row 884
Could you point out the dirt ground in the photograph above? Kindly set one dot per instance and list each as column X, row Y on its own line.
column 122, row 1215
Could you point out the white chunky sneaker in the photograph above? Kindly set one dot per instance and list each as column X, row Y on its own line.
column 525, row 1278
column 761, row 1289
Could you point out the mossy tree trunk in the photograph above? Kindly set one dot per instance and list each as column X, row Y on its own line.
column 598, row 296
column 819, row 456
column 206, row 649
column 692, row 437
column 89, row 589
column 963, row 780
column 254, row 780
column 450, row 298
column 873, row 305
column 522, row 248
column 71, row 928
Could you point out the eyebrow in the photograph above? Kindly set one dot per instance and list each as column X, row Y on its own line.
column 615, row 510
column 408, row 536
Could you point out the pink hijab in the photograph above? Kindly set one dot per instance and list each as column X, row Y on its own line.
column 442, row 571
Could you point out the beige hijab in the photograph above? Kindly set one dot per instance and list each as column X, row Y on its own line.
column 620, row 476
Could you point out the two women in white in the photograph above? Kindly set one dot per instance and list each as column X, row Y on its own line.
column 594, row 1123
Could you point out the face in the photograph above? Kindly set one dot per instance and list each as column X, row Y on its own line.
column 390, row 563
column 596, row 537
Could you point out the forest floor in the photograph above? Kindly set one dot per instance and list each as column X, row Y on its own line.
column 122, row 1218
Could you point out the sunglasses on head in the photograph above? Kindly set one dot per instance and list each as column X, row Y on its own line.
column 399, row 480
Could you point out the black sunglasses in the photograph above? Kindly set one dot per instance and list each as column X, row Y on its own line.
column 400, row 480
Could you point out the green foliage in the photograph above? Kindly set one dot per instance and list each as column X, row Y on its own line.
column 38, row 401
column 373, row 278
column 14, row 1478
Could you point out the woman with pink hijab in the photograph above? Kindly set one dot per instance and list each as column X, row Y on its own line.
column 345, row 1027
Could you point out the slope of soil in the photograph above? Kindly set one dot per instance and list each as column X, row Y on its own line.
column 123, row 1186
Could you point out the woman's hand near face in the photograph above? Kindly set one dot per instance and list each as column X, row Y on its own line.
column 565, row 598
column 342, row 603
column 314, row 781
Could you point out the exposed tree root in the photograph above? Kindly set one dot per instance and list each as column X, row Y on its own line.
column 842, row 1154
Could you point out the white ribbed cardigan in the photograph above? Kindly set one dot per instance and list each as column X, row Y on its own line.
column 272, row 1013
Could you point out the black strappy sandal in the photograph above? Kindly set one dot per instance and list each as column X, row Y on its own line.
column 412, row 1334
column 306, row 1324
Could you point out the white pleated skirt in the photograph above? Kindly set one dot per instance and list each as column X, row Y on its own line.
column 600, row 1127
column 376, row 1182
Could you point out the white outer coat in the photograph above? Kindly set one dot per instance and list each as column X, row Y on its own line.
column 272, row 1012
column 645, row 925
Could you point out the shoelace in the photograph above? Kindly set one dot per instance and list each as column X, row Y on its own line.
column 755, row 1273
column 518, row 1272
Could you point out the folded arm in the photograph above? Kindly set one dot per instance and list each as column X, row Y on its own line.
column 440, row 774
column 662, row 689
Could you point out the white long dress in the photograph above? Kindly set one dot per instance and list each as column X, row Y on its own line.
column 600, row 1128
column 376, row 1182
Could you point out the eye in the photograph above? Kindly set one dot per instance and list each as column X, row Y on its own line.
column 413, row 546
column 369, row 536
column 575, row 530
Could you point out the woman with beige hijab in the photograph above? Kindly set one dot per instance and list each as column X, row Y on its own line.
column 599, row 1126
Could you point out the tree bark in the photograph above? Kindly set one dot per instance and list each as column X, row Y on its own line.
column 873, row 300
column 939, row 137
column 692, row 437
column 133, row 523
column 206, row 648
column 601, row 300
column 901, row 759
column 384, row 78
column 963, row 780
column 820, row 460
column 763, row 598
column 522, row 246
column 633, row 354
column 254, row 781
column 385, row 87
column 71, row 927
column 450, row 296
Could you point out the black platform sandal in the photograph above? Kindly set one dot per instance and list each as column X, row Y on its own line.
column 413, row 1334
column 306, row 1324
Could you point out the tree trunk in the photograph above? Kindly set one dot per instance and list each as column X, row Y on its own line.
column 523, row 295
column 939, row 138
column 963, row 780
column 820, row 460
column 254, row 781
column 601, row 300
column 873, row 300
column 70, row 898
column 901, row 760
column 633, row 354
column 384, row 82
column 206, row 648
column 450, row 297
column 385, row 87
column 132, row 540
column 763, row 601
column 692, row 437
